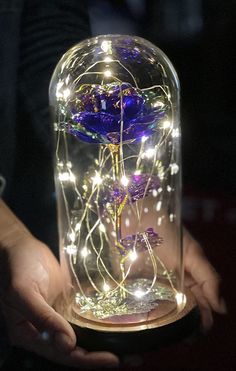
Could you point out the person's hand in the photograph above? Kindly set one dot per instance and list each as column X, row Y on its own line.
column 203, row 280
column 30, row 281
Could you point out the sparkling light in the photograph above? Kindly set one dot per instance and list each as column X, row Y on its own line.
column 139, row 293
column 107, row 73
column 66, row 176
column 106, row 287
column 102, row 228
column 84, row 252
column 146, row 210
column 154, row 193
column 60, row 93
column 150, row 152
column 71, row 249
column 97, row 179
column 133, row 255
column 158, row 104
column 174, row 168
column 105, row 45
column 137, row 172
column 77, row 227
column 158, row 206
column 127, row 222
column 166, row 125
column 107, row 59
column 72, row 236
column 124, row 181
column 66, row 93
column 144, row 138
column 175, row 133
column 168, row 188
column 180, row 299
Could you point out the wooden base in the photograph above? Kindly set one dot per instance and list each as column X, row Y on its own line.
column 128, row 338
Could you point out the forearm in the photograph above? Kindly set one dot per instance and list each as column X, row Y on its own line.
column 11, row 228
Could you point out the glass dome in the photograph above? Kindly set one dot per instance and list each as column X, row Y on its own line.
column 115, row 105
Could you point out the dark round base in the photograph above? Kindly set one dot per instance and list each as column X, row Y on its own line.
column 139, row 341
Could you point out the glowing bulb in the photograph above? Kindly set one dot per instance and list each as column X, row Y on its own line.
column 77, row 227
column 64, row 177
column 144, row 138
column 168, row 188
column 158, row 104
column 175, row 133
column 106, row 46
column 139, row 293
column 127, row 222
column 145, row 210
column 149, row 153
column 107, row 73
column 159, row 221
column 137, row 172
column 166, row 124
column 174, row 168
column 124, row 181
column 84, row 252
column 180, row 299
column 66, row 93
column 154, row 193
column 102, row 228
column 158, row 206
column 71, row 249
column 107, row 59
column 72, row 236
column 133, row 255
column 106, row 287
column 72, row 177
column 97, row 179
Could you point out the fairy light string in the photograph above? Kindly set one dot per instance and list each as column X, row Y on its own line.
column 105, row 192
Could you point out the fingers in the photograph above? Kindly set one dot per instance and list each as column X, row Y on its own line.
column 50, row 344
column 78, row 357
column 203, row 274
column 31, row 305
column 44, row 345
column 204, row 307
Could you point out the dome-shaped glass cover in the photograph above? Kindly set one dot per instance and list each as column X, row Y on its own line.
column 115, row 104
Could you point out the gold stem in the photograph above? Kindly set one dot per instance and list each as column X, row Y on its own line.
column 115, row 152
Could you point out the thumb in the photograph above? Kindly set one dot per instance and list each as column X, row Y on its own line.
column 32, row 307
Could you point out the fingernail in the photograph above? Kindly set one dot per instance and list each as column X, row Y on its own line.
column 223, row 306
column 63, row 341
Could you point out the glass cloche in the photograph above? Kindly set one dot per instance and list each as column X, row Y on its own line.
column 115, row 106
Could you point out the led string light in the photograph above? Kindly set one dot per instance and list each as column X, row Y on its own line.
column 98, row 180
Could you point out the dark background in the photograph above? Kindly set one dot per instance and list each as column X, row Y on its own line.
column 199, row 38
